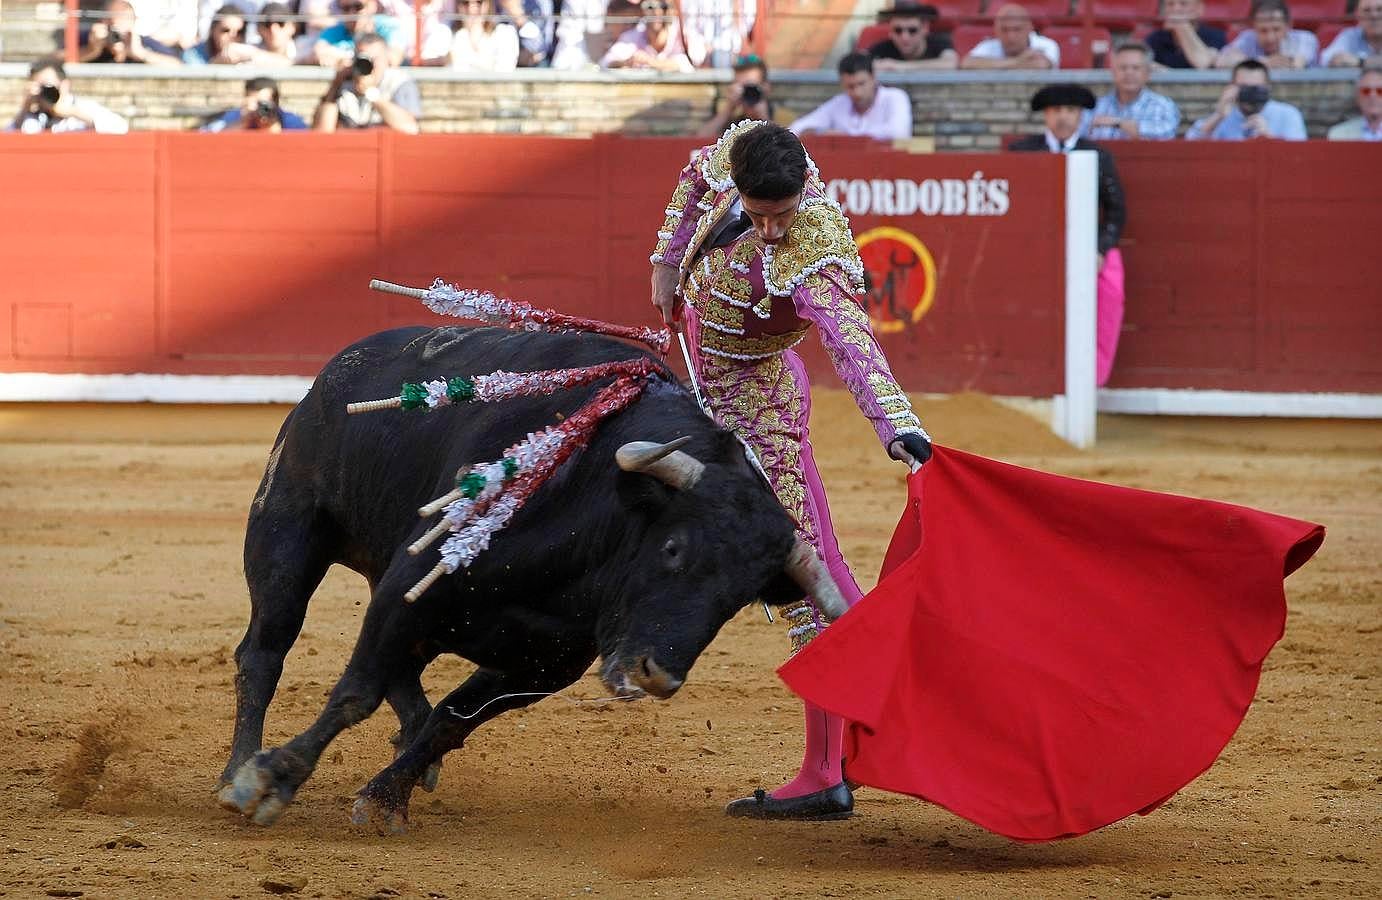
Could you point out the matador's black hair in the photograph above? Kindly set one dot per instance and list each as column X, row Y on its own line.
column 768, row 163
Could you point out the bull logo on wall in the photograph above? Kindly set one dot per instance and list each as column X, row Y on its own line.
column 899, row 278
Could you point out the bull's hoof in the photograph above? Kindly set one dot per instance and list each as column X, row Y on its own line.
column 263, row 787
column 430, row 778
column 383, row 817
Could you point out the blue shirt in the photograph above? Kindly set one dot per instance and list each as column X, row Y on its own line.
column 290, row 121
column 1157, row 116
column 1350, row 41
column 1296, row 43
column 342, row 39
column 1283, row 120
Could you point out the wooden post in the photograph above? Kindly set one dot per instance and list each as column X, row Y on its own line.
column 71, row 35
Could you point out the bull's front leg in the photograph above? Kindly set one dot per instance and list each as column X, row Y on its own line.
column 383, row 802
column 264, row 786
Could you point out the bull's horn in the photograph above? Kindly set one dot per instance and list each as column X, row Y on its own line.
column 806, row 569
column 665, row 462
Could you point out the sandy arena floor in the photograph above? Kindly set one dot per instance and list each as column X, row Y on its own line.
column 122, row 599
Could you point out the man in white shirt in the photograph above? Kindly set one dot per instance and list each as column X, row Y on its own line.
column 865, row 109
column 50, row 105
column 1015, row 44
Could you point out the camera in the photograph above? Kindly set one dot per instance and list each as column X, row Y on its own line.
column 265, row 111
column 1252, row 98
column 361, row 66
column 50, row 94
column 752, row 94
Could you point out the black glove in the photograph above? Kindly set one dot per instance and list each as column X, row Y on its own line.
column 916, row 445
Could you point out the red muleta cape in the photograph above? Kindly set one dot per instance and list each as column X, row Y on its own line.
column 1044, row 655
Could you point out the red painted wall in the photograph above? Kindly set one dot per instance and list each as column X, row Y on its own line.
column 239, row 253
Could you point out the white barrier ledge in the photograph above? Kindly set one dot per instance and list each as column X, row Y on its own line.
column 1173, row 402
column 45, row 387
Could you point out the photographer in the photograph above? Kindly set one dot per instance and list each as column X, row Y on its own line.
column 115, row 40
column 749, row 96
column 258, row 112
column 48, row 104
column 368, row 91
column 1246, row 111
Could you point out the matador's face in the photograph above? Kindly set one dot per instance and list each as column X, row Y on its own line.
column 771, row 218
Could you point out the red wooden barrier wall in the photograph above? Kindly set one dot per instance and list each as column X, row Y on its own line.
column 1249, row 267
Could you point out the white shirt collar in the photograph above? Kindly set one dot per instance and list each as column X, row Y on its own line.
column 1056, row 146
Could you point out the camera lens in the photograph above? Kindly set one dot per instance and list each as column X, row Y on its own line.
column 50, row 93
column 362, row 65
column 752, row 94
column 264, row 109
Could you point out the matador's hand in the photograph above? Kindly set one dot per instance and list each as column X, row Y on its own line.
column 912, row 448
column 665, row 298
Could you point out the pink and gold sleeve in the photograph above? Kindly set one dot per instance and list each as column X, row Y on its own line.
column 690, row 201
column 859, row 361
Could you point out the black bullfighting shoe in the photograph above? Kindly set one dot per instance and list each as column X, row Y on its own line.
column 822, row 806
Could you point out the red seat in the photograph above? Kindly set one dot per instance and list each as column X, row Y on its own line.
column 1119, row 15
column 1074, row 53
column 1142, row 29
column 954, row 12
column 1310, row 12
column 966, row 37
column 1044, row 11
column 872, row 34
column 1328, row 32
column 1226, row 12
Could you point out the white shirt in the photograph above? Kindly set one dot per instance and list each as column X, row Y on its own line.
column 888, row 119
column 495, row 51
column 992, row 48
column 105, row 121
column 1066, row 146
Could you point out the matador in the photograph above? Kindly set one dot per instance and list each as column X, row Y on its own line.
column 760, row 253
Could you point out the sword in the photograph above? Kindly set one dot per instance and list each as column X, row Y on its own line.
column 700, row 401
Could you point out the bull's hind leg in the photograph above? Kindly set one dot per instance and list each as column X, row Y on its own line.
column 409, row 702
column 286, row 555
column 383, row 802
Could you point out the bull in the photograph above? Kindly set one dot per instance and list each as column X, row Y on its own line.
column 637, row 551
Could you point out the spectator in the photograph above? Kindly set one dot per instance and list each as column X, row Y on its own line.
column 209, row 10
column 225, row 40
column 259, row 111
column 532, row 19
column 337, row 45
column 114, row 39
column 1368, row 126
column 1359, row 43
column 172, row 23
column 369, row 92
column 912, row 46
column 580, row 31
column 1016, row 44
column 864, row 109
column 656, row 42
column 750, row 96
column 437, row 23
column 620, row 15
column 48, row 104
column 1183, row 41
column 1245, row 110
column 1272, row 40
column 482, row 43
column 1130, row 110
column 1062, row 105
column 278, row 43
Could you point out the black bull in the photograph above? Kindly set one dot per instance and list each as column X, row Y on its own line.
column 639, row 567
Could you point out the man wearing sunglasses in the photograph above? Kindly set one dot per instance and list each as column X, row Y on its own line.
column 911, row 45
column 760, row 253
column 1368, row 126
column 336, row 46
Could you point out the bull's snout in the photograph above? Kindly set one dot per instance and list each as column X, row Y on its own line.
column 652, row 678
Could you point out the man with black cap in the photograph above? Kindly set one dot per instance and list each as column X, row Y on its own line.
column 911, row 45
column 1063, row 106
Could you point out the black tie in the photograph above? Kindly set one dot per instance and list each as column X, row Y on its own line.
column 731, row 230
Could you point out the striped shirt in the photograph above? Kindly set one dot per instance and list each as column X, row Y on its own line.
column 1157, row 116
